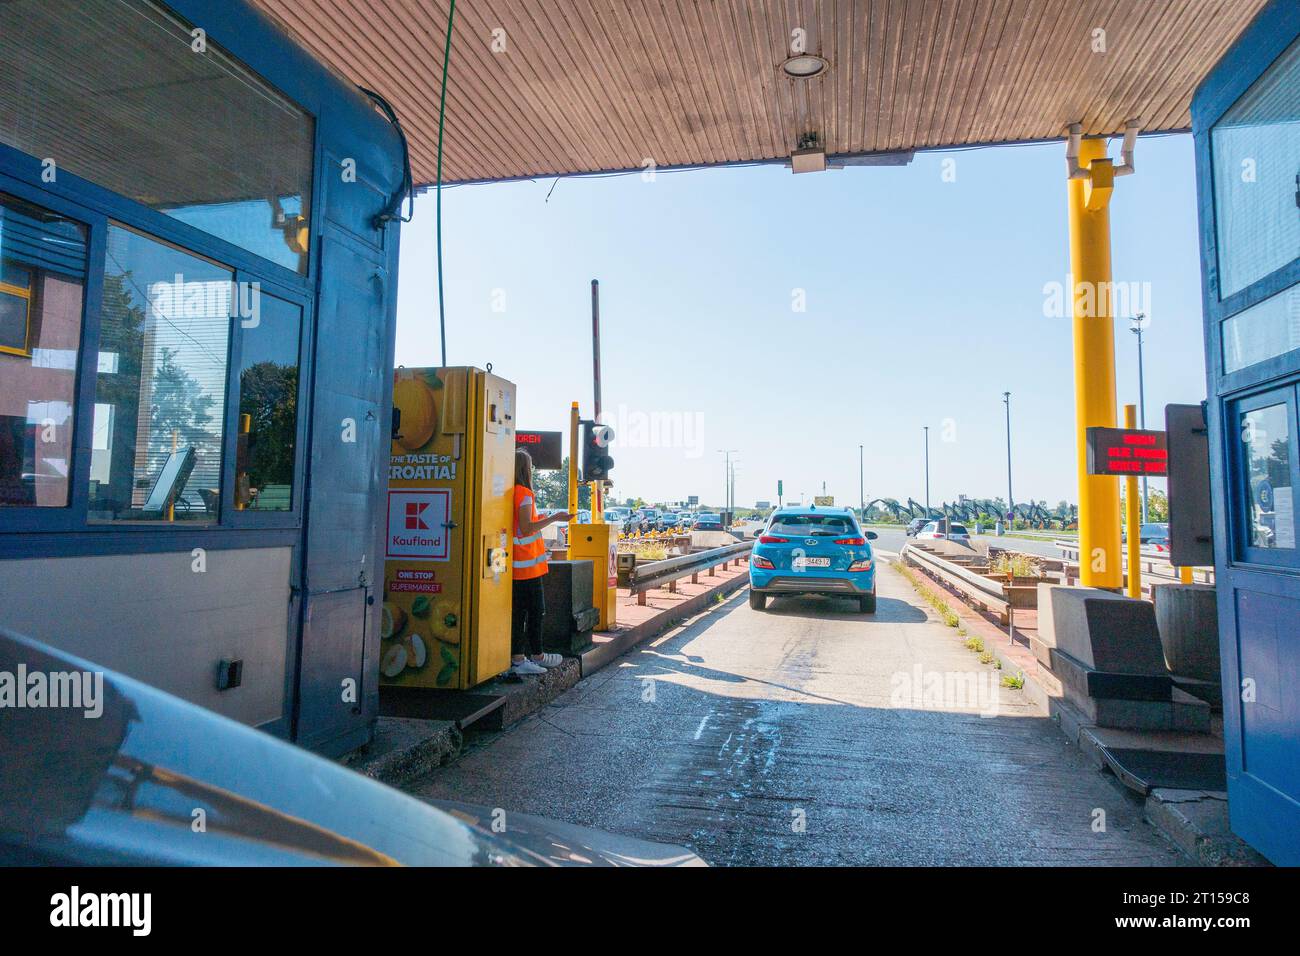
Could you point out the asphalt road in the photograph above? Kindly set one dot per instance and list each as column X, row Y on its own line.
column 804, row 735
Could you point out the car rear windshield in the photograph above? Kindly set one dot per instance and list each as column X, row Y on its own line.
column 709, row 517
column 813, row 525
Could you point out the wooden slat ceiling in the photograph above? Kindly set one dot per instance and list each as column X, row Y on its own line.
column 589, row 85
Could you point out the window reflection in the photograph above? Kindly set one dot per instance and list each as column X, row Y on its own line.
column 160, row 391
column 1256, row 153
column 1266, row 441
column 268, row 406
column 42, row 283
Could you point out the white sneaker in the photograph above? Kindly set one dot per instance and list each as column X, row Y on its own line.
column 526, row 667
column 548, row 661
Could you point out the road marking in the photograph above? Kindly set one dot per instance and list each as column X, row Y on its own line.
column 700, row 729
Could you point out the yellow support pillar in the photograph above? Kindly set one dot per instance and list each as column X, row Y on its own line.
column 1100, row 562
column 1133, row 518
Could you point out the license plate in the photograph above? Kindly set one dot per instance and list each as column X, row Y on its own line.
column 811, row 563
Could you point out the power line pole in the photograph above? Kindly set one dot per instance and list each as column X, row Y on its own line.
column 927, row 470
column 1138, row 322
column 862, row 496
column 1011, row 502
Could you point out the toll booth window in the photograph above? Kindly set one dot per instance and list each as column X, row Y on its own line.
column 42, row 287
column 1266, row 445
column 161, row 382
column 268, row 406
column 1256, row 150
column 1265, row 330
column 158, row 115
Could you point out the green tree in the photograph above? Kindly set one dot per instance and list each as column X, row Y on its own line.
column 551, row 488
column 268, row 394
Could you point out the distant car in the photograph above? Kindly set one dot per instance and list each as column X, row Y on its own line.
column 934, row 532
column 915, row 525
column 686, row 519
column 1155, row 534
column 617, row 517
column 813, row 551
column 708, row 521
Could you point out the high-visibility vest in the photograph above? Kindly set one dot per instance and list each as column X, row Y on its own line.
column 530, row 551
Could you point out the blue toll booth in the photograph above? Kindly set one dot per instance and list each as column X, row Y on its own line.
column 198, row 254
column 1246, row 120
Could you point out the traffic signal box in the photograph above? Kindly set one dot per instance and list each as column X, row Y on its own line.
column 447, row 583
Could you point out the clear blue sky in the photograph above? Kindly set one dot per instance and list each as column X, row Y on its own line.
column 924, row 302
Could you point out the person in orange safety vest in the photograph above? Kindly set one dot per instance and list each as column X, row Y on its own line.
column 529, row 570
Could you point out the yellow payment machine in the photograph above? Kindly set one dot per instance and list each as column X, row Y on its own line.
column 446, row 612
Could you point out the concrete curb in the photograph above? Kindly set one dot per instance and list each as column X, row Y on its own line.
column 405, row 748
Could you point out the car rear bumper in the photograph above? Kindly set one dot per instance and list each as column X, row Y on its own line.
column 832, row 582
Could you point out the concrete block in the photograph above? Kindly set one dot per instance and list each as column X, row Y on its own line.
column 1045, row 640
column 1078, row 679
column 1107, row 631
column 1190, row 713
column 1187, row 617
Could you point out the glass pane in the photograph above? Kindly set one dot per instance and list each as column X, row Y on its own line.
column 160, row 394
column 1264, row 331
column 1266, row 440
column 1256, row 150
column 268, row 406
column 113, row 91
column 42, row 284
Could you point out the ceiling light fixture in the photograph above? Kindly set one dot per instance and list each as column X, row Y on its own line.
column 804, row 66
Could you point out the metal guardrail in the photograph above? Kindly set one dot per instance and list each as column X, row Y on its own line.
column 980, row 589
column 1154, row 563
column 671, row 570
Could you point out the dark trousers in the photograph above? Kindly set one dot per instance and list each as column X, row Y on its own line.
column 529, row 599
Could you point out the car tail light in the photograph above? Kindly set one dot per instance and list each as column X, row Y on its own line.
column 772, row 539
column 864, row 565
column 858, row 541
column 758, row 561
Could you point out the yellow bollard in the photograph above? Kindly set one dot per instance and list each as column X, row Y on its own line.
column 1185, row 574
column 1100, row 563
column 1133, row 518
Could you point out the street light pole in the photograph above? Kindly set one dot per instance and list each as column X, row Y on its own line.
column 727, row 485
column 862, row 496
column 927, row 470
column 1138, row 321
column 1011, row 502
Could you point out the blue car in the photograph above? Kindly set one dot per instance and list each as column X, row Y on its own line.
column 813, row 551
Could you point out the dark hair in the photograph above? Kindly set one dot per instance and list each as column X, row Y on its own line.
column 523, row 469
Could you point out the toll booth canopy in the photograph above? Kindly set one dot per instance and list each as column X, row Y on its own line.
column 197, row 284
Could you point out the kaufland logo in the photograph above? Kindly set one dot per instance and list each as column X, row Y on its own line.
column 417, row 525
column 415, row 516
